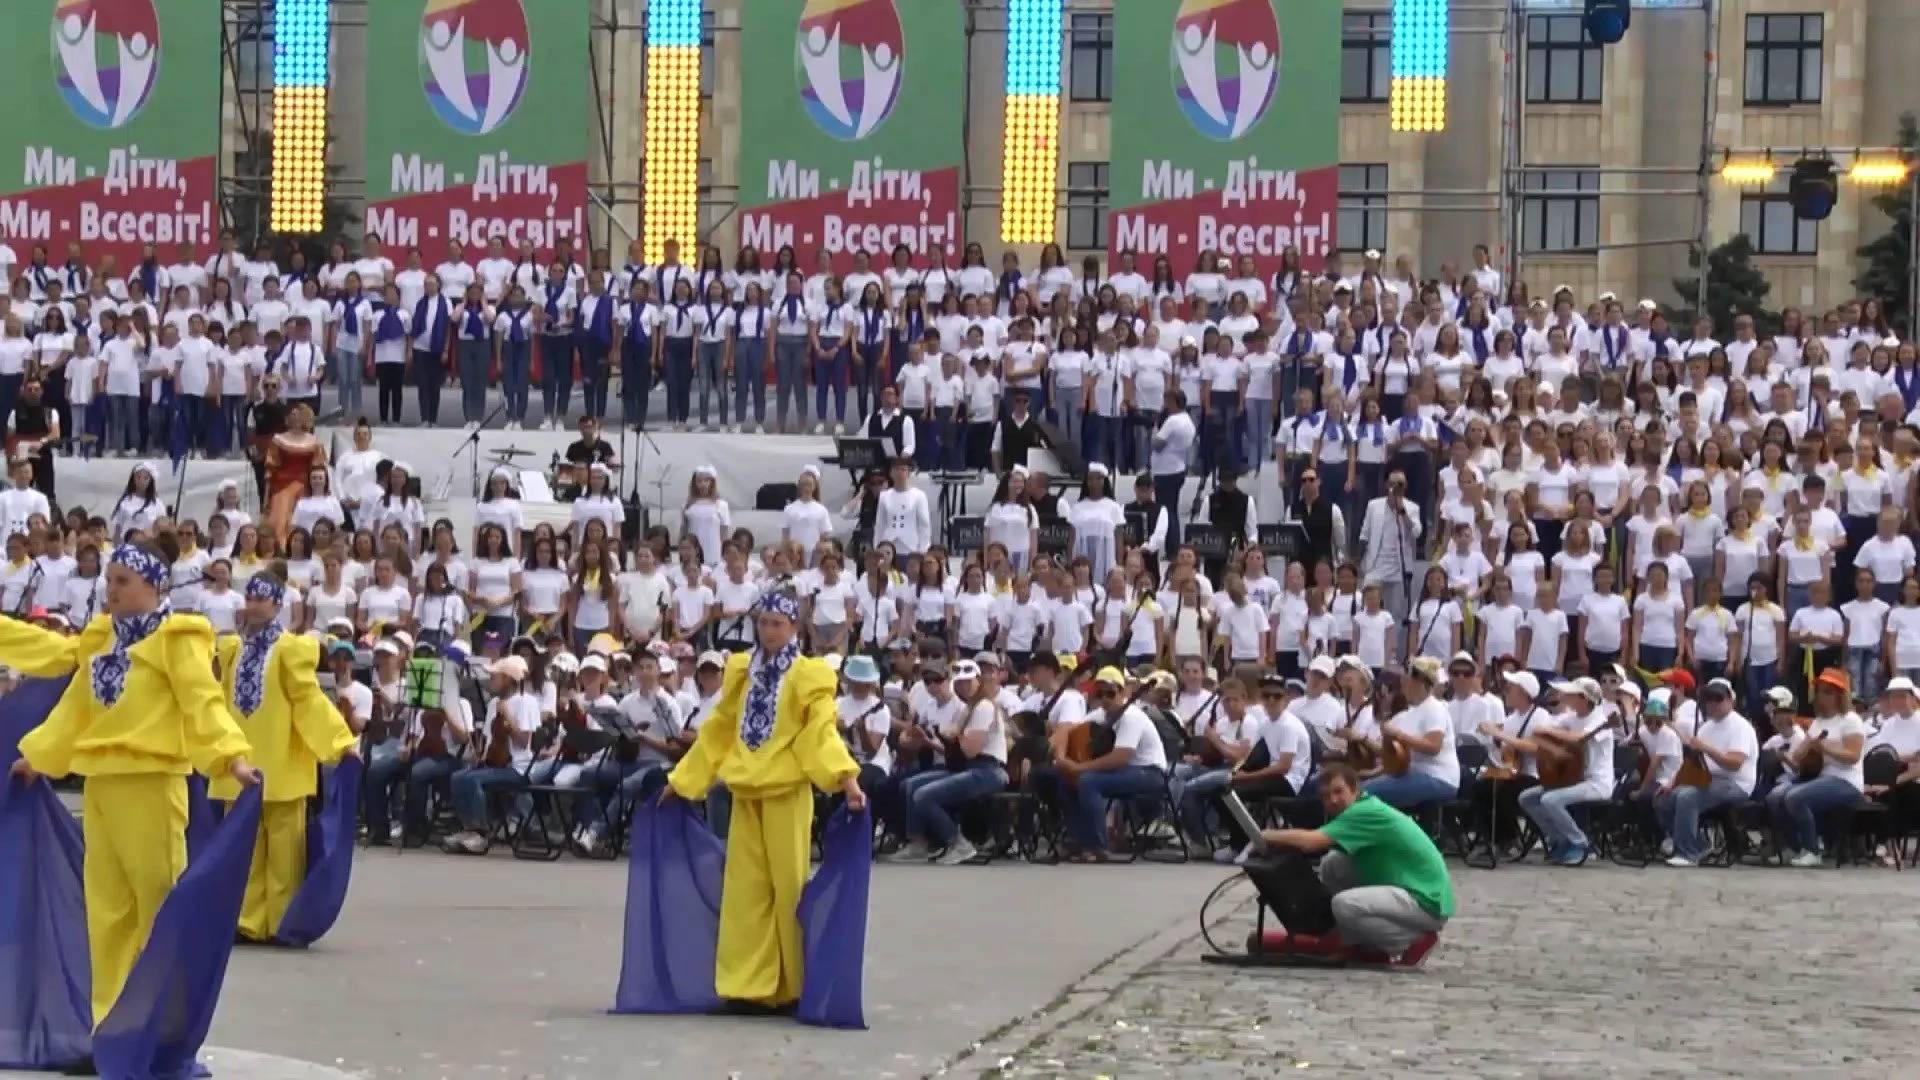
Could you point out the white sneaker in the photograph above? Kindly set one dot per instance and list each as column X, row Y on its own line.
column 472, row 426
column 1806, row 860
column 840, row 428
column 474, row 844
column 916, row 851
column 1666, row 847
column 819, row 429
column 959, row 853
column 1679, row 863
column 1225, row 856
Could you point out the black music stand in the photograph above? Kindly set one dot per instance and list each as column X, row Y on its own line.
column 860, row 456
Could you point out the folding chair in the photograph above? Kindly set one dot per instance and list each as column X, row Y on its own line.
column 549, row 808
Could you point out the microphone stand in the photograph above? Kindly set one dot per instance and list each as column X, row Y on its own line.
column 471, row 446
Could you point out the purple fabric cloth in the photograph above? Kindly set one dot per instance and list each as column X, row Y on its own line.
column 329, row 858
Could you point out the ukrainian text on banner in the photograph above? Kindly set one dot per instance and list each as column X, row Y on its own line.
column 850, row 134
column 111, row 126
column 479, row 120
column 1226, row 132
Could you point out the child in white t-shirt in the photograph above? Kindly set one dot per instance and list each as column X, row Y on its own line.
column 1866, row 620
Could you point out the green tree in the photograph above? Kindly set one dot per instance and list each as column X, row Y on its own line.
column 249, row 205
column 1886, row 261
column 1734, row 287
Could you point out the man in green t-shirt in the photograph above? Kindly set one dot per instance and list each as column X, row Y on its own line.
column 1391, row 893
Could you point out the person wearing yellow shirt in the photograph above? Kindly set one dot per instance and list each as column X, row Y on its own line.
column 144, row 712
column 773, row 734
column 271, row 679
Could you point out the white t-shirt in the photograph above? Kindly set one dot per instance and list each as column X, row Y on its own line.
column 1732, row 734
column 1603, row 618
column 1133, row 731
column 1659, row 618
column 1760, row 633
column 1543, row 648
column 1422, row 720
column 1832, row 731
column 1286, row 734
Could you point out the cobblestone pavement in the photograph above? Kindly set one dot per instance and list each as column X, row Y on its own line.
column 1594, row 972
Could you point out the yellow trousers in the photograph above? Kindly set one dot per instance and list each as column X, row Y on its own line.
column 769, row 849
column 136, row 834
column 279, row 866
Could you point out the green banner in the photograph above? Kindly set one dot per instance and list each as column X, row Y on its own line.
column 111, row 127
column 479, row 120
column 1236, row 147
column 850, row 128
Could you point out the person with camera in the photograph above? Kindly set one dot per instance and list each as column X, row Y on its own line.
column 271, row 680
column 1389, row 543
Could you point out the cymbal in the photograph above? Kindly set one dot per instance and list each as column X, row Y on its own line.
column 506, row 454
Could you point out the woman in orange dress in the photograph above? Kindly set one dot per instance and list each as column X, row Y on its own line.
column 291, row 455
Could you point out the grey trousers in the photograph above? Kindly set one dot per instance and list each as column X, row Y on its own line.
column 1383, row 917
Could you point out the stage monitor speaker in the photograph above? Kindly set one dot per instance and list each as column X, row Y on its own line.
column 1065, row 449
column 776, row 496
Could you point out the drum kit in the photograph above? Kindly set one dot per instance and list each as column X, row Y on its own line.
column 564, row 479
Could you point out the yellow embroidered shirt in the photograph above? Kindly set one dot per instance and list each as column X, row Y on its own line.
column 805, row 747
column 171, row 718
column 296, row 729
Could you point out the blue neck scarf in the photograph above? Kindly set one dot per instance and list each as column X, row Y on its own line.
column 77, row 277
column 872, row 317
column 553, row 305
column 1478, row 337
column 149, row 276
column 636, row 329
column 760, row 710
column 350, row 313
column 759, row 322
column 392, row 327
column 250, row 673
column 1614, row 338
column 1009, row 286
column 517, row 325
column 792, row 306
column 1352, row 373
column 1298, row 345
column 110, row 668
column 476, row 323
column 1907, row 381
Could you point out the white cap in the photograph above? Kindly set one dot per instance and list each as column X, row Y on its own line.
column 386, row 645
column 1357, row 664
column 1585, row 687
column 511, row 666
column 965, row 669
column 564, row 661
column 1648, row 305
column 1525, row 681
column 833, row 660
column 1608, row 297
column 1371, row 253
column 1631, row 689
column 712, row 656
column 1187, row 342
column 1323, row 665
column 594, row 662
column 1898, row 682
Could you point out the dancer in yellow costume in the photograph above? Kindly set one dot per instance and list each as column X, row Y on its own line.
column 772, row 737
column 142, row 712
column 294, row 728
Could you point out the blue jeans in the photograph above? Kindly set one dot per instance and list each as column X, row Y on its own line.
column 1680, row 813
column 516, row 373
column 1863, row 668
column 475, row 357
column 930, row 810
column 790, row 378
column 1196, row 800
column 1798, row 596
column 750, row 379
column 193, row 408
column 1409, row 791
column 713, row 378
column 1802, row 806
column 556, row 376
column 1087, row 803
column 870, row 377
column 1548, row 810
column 347, row 375
column 830, row 371
column 383, row 768
column 1658, row 657
column 636, row 380
column 677, row 365
column 642, row 783
column 420, row 779
column 593, row 379
column 1260, row 434
column 1068, row 404
column 1756, row 680
column 470, row 793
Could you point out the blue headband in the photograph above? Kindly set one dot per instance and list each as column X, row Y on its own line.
column 141, row 562
column 777, row 603
column 261, row 587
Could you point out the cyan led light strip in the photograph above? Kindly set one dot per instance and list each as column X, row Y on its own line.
column 1030, row 154
column 301, row 37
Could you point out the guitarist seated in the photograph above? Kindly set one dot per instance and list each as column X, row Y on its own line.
column 1275, row 767
column 1725, row 742
column 1836, row 743
column 1514, row 768
column 1135, row 764
column 1422, row 767
column 1576, row 768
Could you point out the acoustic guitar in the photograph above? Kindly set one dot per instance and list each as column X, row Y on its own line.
column 1564, row 766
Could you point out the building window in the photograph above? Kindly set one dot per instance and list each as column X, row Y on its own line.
column 1090, row 59
column 709, row 57
column 1363, row 208
column 1784, row 59
column 1561, row 211
column 1366, row 58
column 1563, row 67
column 253, row 51
column 709, row 215
column 1766, row 216
column 1087, row 205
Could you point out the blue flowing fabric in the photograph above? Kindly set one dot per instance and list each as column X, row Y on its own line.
column 674, row 873
column 202, row 817
column 158, row 1024
column 329, row 858
column 833, row 925
column 162, row 1016
column 674, row 868
column 45, row 1007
